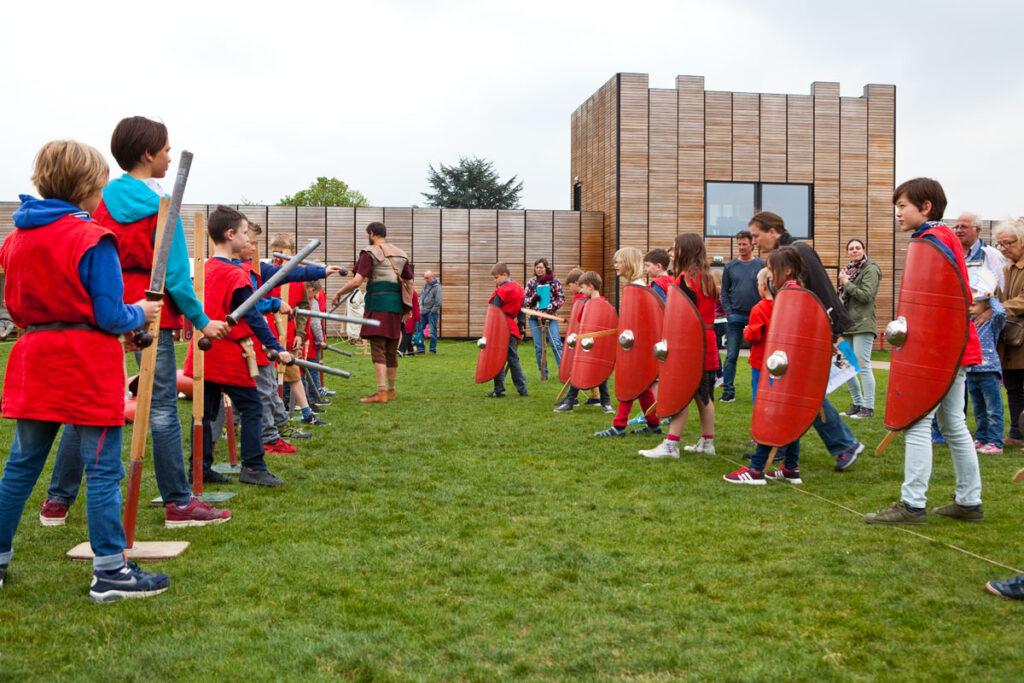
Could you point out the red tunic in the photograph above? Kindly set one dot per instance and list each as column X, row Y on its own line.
column 511, row 294
column 972, row 354
column 756, row 331
column 311, row 351
column 225, row 363
column 135, row 247
column 706, row 307
column 71, row 376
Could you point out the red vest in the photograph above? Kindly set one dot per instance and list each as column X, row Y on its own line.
column 71, row 376
column 225, row 363
column 706, row 306
column 311, row 351
column 251, row 271
column 972, row 354
column 135, row 246
column 296, row 293
column 511, row 294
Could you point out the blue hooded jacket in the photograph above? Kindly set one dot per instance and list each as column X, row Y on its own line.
column 99, row 270
column 129, row 200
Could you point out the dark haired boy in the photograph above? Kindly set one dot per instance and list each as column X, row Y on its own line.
column 508, row 296
column 920, row 204
column 129, row 210
column 227, row 285
column 656, row 264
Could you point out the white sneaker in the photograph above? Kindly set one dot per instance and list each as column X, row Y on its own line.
column 665, row 449
column 702, row 446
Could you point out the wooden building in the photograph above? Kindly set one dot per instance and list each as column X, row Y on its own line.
column 657, row 162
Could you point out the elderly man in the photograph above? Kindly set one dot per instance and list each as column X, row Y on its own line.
column 430, row 306
column 976, row 252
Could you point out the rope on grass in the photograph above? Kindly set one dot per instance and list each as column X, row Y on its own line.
column 918, row 534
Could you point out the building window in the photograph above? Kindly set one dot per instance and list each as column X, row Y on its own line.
column 729, row 206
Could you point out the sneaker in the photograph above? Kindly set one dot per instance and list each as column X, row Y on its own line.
column 863, row 414
column 897, row 513
column 496, row 394
column 524, row 393
column 212, row 477
column 593, row 402
column 52, row 513
column 647, row 429
column 314, row 419
column 327, row 392
column 990, row 449
column 845, row 459
column 851, row 411
column 719, row 381
column 249, row 475
column 280, row 447
column 3, row 574
column 965, row 514
column 607, row 407
column 126, row 582
column 637, row 421
column 784, row 474
column 314, row 408
column 703, row 445
column 322, row 401
column 746, row 475
column 290, row 431
column 665, row 449
column 1011, row 590
column 978, row 445
column 611, row 431
column 196, row 513
column 727, row 398
column 563, row 407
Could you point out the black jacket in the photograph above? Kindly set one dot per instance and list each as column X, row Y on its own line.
column 817, row 280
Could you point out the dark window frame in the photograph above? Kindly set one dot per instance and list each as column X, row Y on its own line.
column 758, row 186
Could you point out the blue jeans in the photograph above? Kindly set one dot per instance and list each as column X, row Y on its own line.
column 985, row 389
column 836, row 436
column 862, row 387
column 606, row 399
column 554, row 339
column 246, row 402
column 733, row 339
column 755, row 376
column 789, row 455
column 99, row 454
column 518, row 378
column 165, row 428
column 430, row 319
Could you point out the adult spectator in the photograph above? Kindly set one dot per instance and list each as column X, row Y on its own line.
column 384, row 267
column 1009, row 237
column 976, row 252
column 769, row 232
column 858, row 289
column 739, row 294
column 430, row 307
column 544, row 293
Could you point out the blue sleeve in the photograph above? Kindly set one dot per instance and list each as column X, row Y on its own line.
column 270, row 304
column 178, row 281
column 998, row 317
column 100, row 272
column 300, row 274
column 257, row 323
column 662, row 294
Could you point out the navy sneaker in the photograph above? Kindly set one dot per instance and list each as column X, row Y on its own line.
column 316, row 420
column 647, row 429
column 127, row 582
column 593, row 402
column 611, row 431
column 1011, row 590
column 327, row 392
column 845, row 459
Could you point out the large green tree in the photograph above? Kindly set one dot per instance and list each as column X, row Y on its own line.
column 326, row 192
column 472, row 184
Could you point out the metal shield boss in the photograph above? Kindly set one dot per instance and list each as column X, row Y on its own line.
column 493, row 345
column 800, row 341
column 682, row 345
column 640, row 319
column 933, row 305
column 569, row 348
column 593, row 365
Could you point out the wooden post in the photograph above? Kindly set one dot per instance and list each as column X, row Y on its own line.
column 198, row 361
column 543, row 350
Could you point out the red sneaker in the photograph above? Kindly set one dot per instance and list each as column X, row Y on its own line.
column 196, row 513
column 746, row 475
column 280, row 447
column 52, row 513
column 784, row 474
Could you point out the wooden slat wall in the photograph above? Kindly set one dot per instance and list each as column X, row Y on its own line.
column 881, row 165
column 426, row 236
column 853, row 173
column 773, row 138
column 281, row 220
column 663, row 157
column 800, row 138
column 255, row 214
column 312, row 224
column 566, row 241
column 512, row 236
column 539, row 233
column 483, row 236
column 633, row 162
column 455, row 235
column 826, row 171
column 455, row 300
column 746, row 158
column 341, row 222
column 399, row 223
column 592, row 241
column 690, row 189
column 717, row 137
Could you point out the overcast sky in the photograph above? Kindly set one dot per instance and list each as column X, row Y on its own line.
column 270, row 95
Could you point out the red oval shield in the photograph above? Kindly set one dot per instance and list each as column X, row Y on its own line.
column 569, row 352
column 921, row 372
column 593, row 366
column 491, row 358
column 641, row 315
column 683, row 367
column 786, row 406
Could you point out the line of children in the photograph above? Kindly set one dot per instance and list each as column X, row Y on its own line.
column 690, row 264
column 71, row 333
column 589, row 286
column 508, row 296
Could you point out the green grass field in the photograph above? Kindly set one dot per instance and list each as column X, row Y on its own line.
column 448, row 536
